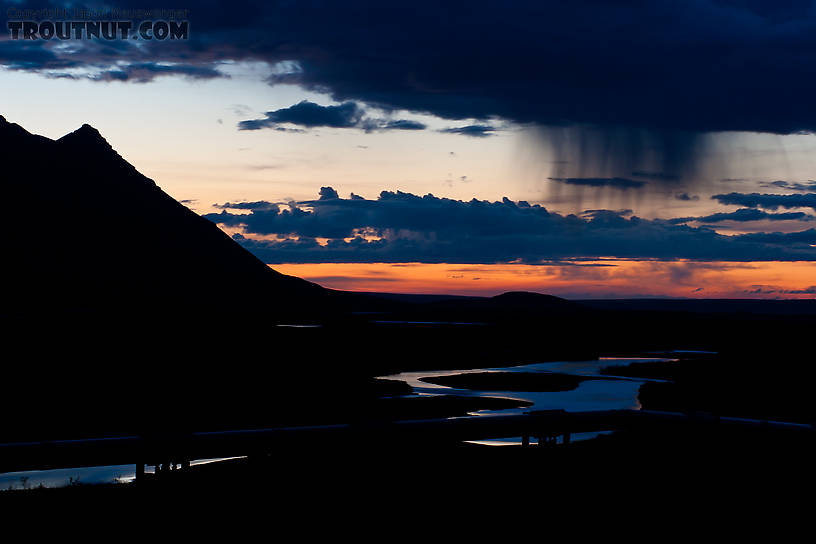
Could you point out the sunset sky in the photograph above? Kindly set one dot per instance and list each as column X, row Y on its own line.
column 584, row 149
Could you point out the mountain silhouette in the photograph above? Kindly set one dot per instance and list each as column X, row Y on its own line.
column 525, row 301
column 85, row 231
column 508, row 307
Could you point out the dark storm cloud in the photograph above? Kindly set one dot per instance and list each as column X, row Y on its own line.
column 103, row 60
column 662, row 66
column 474, row 131
column 257, row 205
column 746, row 214
column 144, row 72
column 328, row 193
column 311, row 115
column 803, row 238
column 605, row 213
column 618, row 183
column 806, row 187
column 402, row 227
column 768, row 201
column 17, row 55
column 402, row 124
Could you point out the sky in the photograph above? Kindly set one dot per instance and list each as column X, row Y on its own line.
column 587, row 149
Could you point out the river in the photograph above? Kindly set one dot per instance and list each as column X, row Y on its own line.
column 604, row 393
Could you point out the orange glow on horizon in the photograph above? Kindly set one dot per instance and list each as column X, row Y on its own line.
column 609, row 278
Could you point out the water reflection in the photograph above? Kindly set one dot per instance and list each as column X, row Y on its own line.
column 63, row 477
column 603, row 393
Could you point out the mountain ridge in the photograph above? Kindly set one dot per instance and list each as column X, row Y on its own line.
column 104, row 236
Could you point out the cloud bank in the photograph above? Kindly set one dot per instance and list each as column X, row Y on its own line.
column 310, row 115
column 403, row 227
column 768, row 201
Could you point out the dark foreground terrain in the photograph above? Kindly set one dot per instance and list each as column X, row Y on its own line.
column 91, row 375
column 170, row 377
column 634, row 478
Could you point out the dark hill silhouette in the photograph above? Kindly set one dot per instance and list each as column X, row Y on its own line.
column 84, row 230
column 512, row 305
column 523, row 300
column 508, row 307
